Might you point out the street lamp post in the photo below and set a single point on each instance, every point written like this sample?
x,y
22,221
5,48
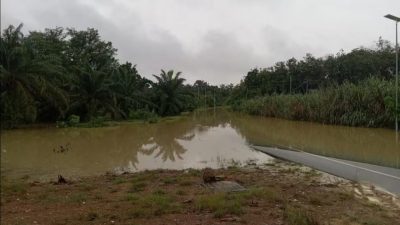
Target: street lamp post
x,y
397,20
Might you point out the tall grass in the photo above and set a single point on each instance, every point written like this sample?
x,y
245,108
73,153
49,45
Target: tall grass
x,y
369,103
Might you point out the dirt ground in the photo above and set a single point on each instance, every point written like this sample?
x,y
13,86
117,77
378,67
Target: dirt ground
x,y
277,193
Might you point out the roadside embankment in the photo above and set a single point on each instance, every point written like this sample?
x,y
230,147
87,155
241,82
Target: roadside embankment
x,y
277,193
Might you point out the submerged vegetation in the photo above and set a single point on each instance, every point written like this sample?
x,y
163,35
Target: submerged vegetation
x,y
74,77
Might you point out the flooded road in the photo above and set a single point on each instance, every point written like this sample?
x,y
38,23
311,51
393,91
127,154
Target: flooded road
x,y
212,138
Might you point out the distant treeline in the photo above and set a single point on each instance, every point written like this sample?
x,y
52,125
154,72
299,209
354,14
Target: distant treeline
x,y
74,76
65,74
355,89
310,73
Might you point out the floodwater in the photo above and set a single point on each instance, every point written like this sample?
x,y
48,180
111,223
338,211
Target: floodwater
x,y
211,138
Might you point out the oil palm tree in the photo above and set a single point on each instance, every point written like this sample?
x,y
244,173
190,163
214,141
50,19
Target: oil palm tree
x,y
170,95
25,79
91,93
129,89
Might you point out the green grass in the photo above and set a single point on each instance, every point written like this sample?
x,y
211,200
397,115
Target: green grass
x,y
291,170
132,197
86,187
311,173
298,216
119,180
154,204
185,183
49,198
170,180
77,197
13,188
265,193
192,173
221,204
138,186
159,192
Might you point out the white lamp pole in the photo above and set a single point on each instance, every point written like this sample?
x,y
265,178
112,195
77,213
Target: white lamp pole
x,y
397,20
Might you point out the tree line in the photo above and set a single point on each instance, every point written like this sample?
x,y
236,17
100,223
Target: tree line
x,y
311,73
355,88
50,75
65,74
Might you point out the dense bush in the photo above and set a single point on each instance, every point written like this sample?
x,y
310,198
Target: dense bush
x,y
143,114
369,103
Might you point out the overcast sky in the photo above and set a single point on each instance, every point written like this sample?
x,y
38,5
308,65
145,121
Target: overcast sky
x,y
213,40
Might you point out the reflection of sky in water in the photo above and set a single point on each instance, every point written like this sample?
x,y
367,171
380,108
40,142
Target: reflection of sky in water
x,y
191,142
202,139
217,147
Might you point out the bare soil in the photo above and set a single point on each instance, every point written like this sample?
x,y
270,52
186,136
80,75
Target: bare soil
x,y
277,193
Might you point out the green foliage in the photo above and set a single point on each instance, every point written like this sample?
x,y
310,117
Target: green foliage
x,y
154,204
26,78
170,95
220,204
232,203
298,216
73,120
77,197
138,186
13,187
98,121
365,104
143,114
49,75
310,73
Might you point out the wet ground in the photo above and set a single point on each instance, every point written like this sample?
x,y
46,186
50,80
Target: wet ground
x,y
276,193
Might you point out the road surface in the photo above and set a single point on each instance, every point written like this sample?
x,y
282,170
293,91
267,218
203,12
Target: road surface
x,y
384,177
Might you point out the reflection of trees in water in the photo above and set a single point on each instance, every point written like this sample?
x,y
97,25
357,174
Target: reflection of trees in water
x,y
212,118
165,140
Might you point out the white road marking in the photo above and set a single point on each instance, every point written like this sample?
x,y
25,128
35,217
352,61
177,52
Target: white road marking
x,y
340,162
358,167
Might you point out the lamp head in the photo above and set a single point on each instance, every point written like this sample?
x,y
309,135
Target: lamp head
x,y
391,17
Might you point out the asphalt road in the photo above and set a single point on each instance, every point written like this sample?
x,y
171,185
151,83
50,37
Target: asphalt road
x,y
384,177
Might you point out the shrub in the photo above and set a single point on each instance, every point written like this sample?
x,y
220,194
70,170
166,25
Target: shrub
x,y
369,103
73,120
148,116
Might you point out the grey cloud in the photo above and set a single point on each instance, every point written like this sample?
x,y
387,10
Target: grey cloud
x,y
232,36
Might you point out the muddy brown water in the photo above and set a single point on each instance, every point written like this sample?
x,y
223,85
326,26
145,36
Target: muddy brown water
x,y
211,138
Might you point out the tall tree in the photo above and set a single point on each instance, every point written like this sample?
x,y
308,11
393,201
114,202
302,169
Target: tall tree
x,y
91,94
85,48
130,89
170,95
25,79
